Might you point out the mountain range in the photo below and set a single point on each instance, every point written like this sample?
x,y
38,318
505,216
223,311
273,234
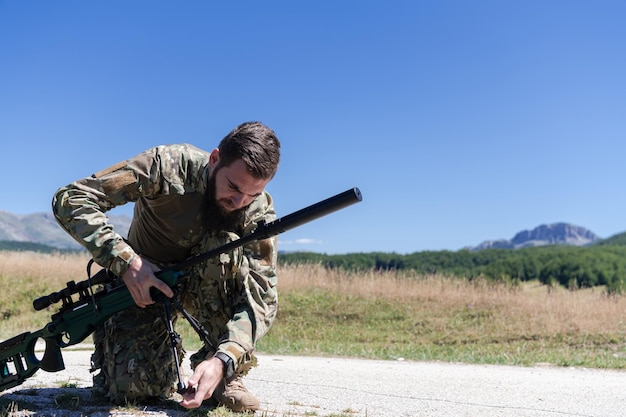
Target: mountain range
x,y
42,228
545,234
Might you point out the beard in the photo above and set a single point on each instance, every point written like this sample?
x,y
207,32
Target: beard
x,y
217,217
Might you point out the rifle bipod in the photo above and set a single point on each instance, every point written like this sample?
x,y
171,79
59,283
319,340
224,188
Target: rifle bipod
x,y
175,339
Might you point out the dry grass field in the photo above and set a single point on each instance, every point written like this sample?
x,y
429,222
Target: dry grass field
x,y
384,315
25,276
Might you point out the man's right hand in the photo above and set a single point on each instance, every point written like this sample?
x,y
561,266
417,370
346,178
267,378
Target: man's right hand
x,y
139,278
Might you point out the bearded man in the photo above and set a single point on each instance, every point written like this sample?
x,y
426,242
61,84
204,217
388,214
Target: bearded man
x,y
187,201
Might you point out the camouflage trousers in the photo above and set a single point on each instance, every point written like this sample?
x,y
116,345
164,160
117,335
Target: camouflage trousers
x,y
133,350
135,357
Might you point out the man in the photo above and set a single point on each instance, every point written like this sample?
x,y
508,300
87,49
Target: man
x,y
187,201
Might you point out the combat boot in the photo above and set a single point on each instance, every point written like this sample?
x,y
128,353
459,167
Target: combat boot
x,y
100,388
236,396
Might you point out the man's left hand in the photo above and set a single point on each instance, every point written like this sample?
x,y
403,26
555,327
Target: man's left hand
x,y
205,379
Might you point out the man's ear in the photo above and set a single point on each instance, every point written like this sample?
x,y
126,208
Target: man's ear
x,y
214,158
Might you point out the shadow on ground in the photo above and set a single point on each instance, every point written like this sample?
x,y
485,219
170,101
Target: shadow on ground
x,y
78,402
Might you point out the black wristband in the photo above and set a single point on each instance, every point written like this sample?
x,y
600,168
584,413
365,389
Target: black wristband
x,y
229,364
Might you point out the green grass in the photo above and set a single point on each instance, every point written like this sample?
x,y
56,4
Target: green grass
x,y
325,323
314,321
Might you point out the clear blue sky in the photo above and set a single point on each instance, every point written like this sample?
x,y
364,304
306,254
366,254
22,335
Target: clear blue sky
x,y
460,121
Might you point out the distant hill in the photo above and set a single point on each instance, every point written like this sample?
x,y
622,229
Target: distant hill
x,y
615,240
546,234
12,245
42,228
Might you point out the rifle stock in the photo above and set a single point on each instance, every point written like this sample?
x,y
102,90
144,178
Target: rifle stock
x,y
76,320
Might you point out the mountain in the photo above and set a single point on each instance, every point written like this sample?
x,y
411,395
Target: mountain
x,y
43,228
546,234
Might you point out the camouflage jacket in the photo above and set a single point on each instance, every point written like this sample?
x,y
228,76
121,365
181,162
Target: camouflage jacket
x,y
167,184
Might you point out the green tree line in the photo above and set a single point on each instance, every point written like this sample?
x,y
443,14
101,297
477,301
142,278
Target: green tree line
x,y
12,245
572,267
568,266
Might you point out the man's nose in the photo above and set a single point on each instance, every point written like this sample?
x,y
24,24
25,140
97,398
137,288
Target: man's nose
x,y
238,200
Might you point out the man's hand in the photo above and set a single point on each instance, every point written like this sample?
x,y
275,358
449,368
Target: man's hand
x,y
139,278
205,379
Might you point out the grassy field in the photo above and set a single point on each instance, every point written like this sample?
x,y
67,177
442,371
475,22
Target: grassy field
x,y
384,315
387,316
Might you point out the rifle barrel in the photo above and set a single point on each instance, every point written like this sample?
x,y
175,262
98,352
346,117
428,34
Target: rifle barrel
x,y
310,213
273,228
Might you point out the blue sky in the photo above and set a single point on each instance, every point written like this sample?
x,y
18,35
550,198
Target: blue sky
x,y
459,121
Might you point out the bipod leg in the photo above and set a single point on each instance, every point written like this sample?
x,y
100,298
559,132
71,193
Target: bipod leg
x,y
175,341
199,328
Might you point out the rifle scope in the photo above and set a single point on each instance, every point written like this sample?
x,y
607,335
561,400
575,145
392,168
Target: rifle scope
x,y
103,276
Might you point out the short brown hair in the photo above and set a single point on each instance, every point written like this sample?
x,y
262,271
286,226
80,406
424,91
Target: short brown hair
x,y
256,145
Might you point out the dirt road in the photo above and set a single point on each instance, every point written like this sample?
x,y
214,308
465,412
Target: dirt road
x,y
298,386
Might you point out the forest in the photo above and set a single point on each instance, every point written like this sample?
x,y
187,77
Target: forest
x,y
601,264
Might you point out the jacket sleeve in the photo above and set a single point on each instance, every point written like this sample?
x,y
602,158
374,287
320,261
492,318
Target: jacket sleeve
x,y
257,307
80,207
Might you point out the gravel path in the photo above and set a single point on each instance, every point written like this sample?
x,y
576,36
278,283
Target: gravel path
x,y
299,386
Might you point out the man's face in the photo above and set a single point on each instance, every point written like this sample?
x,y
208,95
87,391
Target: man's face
x,y
235,188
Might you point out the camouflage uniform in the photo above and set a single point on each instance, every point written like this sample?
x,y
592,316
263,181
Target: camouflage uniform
x,y
233,296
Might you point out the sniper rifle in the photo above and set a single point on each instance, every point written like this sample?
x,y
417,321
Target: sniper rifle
x,y
77,318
